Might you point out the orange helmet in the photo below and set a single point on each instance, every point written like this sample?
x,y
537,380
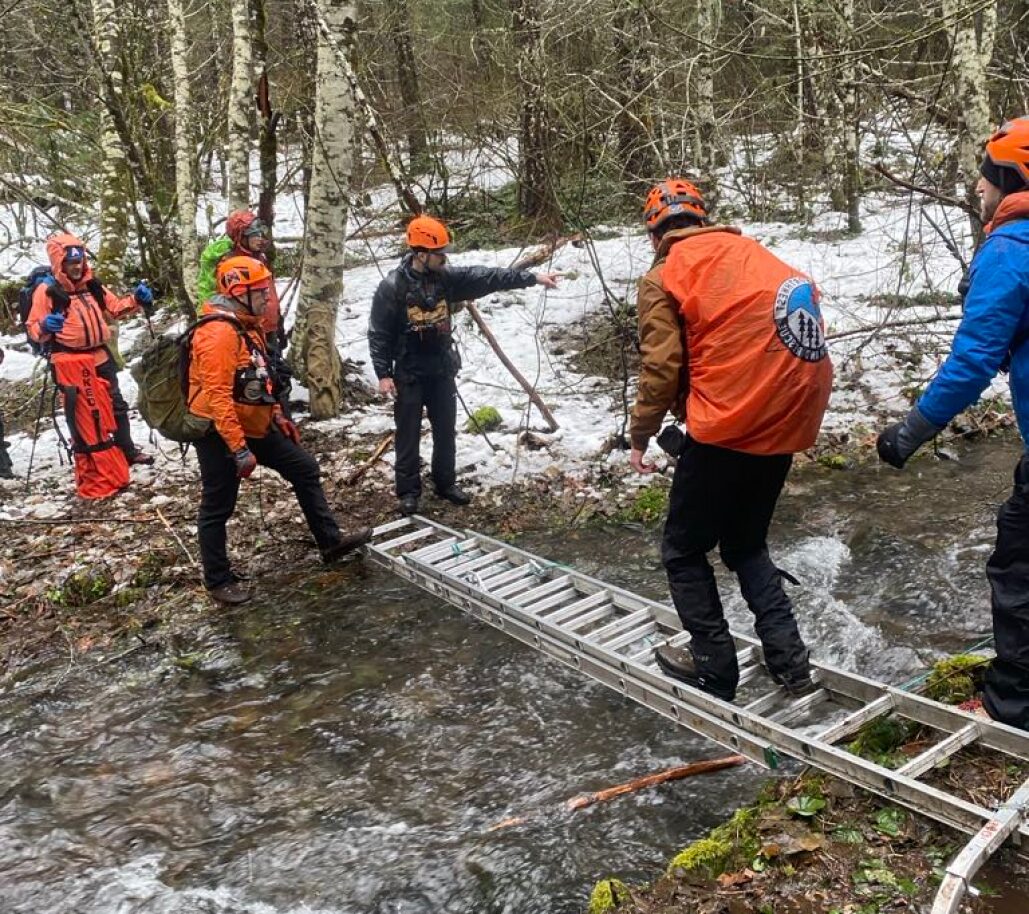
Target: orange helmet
x,y
239,274
1008,151
670,198
427,234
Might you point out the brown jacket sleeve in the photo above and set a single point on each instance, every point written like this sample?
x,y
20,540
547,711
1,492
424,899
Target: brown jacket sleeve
x,y
662,356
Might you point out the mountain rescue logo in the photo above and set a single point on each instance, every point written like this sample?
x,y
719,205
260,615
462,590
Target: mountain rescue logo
x,y
798,320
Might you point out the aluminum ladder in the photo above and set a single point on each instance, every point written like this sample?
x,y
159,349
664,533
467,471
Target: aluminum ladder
x,y
610,634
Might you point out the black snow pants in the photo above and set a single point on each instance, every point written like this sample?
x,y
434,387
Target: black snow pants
x,y
726,499
1006,694
437,393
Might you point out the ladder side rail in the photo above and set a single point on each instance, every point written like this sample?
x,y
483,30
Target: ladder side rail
x,y
936,753
637,681
1002,825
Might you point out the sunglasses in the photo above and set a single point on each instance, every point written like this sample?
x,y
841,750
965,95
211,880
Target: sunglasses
x,y
74,254
257,227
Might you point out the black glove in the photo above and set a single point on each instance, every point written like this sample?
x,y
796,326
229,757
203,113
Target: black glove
x,y
897,443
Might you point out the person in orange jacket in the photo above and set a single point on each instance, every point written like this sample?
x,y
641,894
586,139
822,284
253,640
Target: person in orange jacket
x,y
732,343
230,383
68,318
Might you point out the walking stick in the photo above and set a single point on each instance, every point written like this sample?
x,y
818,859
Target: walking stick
x,y
35,432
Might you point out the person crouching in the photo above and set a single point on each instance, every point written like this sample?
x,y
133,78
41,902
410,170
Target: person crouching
x,y
230,384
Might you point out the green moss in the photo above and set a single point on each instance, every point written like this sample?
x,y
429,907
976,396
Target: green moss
x,y
879,740
150,570
725,848
956,679
484,419
648,506
834,461
607,895
128,595
83,587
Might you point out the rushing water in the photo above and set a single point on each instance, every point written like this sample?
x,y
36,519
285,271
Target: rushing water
x,y
346,744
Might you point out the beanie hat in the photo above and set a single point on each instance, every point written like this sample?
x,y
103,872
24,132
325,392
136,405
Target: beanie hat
x,y
1009,180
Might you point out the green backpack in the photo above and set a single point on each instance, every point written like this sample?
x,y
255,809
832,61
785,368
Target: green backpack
x,y
216,249
163,379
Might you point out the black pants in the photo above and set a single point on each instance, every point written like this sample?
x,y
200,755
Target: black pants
x,y
221,488
726,499
1006,695
438,395
6,466
122,433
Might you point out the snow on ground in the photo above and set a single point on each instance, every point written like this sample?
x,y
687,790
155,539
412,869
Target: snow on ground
x,y
898,253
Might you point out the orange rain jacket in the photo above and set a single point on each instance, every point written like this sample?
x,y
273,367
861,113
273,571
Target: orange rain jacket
x,y
85,325
732,343
215,355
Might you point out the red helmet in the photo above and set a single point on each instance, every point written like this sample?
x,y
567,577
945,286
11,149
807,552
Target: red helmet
x,y
669,198
1008,148
239,274
427,234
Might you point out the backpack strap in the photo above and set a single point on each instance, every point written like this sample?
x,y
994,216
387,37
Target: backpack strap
x,y
185,342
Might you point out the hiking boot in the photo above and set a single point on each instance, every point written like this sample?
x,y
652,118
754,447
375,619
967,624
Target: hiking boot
x,y
409,504
346,545
797,686
232,594
678,663
454,495
141,459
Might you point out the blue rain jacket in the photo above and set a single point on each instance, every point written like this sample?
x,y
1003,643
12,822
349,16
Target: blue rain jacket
x,y
996,314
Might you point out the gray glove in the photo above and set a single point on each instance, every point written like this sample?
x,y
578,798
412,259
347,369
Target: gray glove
x,y
897,443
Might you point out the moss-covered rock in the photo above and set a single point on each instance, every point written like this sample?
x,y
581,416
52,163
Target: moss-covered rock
x,y
956,679
484,419
85,586
726,848
607,895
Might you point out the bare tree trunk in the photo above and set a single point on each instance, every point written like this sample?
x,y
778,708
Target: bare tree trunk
x,y
634,64
114,186
973,51
313,346
407,80
850,120
267,141
185,148
241,106
537,199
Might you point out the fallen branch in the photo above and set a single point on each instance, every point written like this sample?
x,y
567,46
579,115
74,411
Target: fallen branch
x,y
651,780
544,252
893,325
177,539
384,445
509,365
926,191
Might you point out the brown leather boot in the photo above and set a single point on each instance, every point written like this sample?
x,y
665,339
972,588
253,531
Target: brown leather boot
x,y
347,544
232,594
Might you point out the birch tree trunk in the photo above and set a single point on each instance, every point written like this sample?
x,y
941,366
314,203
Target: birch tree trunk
x,y
114,186
185,148
851,120
973,51
241,107
634,60
706,141
313,353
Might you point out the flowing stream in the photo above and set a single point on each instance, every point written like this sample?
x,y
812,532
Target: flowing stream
x,y
345,744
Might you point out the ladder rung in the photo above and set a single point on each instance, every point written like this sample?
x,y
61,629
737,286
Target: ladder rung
x,y
390,526
567,612
801,705
631,637
618,625
463,564
944,749
455,551
856,720
750,672
516,585
419,534
505,577
536,593
558,599
764,702
425,552
589,618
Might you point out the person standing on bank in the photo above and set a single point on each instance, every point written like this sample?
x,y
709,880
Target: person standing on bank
x,y
231,384
410,338
992,337
732,343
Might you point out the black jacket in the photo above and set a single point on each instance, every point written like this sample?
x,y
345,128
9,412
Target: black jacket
x,y
410,332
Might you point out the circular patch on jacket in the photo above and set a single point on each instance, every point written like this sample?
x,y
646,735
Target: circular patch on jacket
x,y
798,321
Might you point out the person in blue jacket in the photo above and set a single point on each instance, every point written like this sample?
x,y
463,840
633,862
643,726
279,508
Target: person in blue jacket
x,y
992,337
